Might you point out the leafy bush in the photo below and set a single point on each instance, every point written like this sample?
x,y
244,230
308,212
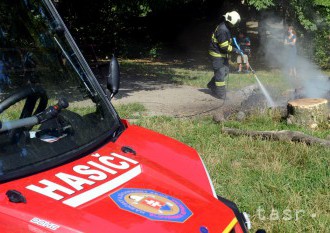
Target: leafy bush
x,y
322,50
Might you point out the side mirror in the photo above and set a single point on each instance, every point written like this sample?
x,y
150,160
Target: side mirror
x,y
113,79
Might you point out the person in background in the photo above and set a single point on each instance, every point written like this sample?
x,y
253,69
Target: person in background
x,y
245,45
219,49
290,43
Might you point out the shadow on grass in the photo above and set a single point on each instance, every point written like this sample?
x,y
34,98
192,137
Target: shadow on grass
x,y
148,75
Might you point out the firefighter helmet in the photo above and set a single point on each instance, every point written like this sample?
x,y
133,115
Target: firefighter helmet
x,y
233,18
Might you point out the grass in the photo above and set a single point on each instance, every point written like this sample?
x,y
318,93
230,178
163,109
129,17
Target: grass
x,y
199,76
129,111
132,110
271,119
265,178
13,112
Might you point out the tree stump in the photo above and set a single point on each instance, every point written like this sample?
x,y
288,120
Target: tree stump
x,y
307,112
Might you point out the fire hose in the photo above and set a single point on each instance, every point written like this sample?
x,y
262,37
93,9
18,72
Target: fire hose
x,y
242,54
263,89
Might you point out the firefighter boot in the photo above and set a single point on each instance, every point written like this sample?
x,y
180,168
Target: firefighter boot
x,y
220,92
211,84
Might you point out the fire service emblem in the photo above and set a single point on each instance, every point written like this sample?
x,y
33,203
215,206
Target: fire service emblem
x,y
151,204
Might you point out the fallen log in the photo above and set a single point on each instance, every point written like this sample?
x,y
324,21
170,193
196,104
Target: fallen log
x,y
283,135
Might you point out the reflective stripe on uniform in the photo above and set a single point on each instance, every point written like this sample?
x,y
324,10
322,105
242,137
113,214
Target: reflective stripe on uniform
x,y
224,44
214,54
214,39
220,84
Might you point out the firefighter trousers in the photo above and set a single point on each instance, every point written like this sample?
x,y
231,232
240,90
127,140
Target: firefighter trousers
x,y
221,70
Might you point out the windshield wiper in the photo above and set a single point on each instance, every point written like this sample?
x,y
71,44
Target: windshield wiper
x,y
48,114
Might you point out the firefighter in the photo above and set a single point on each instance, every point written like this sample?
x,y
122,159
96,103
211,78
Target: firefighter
x,y
220,47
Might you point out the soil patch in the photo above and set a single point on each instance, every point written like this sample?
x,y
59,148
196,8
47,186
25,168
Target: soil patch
x,y
181,101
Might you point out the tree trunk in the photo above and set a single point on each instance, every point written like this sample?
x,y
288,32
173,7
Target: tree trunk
x,y
307,112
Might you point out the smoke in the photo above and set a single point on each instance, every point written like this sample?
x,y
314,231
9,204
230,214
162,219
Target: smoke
x,y
314,82
309,79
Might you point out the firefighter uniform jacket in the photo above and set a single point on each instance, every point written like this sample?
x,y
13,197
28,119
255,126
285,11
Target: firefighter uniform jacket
x,y
220,44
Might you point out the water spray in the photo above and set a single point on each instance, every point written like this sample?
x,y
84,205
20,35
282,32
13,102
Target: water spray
x,y
262,87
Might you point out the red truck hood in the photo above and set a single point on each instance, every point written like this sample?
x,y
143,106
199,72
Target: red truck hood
x,y
113,191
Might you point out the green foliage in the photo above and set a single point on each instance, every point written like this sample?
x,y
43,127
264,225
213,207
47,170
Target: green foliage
x,y
119,24
325,3
312,16
108,19
322,49
154,52
261,4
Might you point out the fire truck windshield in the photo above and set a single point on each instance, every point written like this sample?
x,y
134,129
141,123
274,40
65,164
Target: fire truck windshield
x,y
51,107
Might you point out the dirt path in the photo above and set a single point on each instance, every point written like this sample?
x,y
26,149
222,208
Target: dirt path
x,y
180,101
